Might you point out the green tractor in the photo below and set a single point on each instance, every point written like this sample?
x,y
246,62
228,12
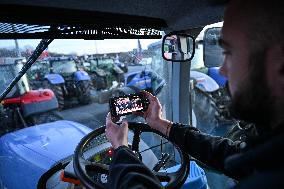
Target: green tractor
x,y
103,72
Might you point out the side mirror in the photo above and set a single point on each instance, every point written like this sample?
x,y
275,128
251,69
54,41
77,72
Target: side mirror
x,y
178,47
213,53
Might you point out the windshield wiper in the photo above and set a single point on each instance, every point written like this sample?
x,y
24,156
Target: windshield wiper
x,y
39,49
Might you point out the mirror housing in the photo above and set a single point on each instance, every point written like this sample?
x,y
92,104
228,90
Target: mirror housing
x,y
212,52
178,47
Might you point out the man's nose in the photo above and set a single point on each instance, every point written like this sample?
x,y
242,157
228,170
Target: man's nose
x,y
223,70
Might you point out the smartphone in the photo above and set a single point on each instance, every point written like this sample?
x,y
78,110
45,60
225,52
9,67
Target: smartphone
x,y
127,104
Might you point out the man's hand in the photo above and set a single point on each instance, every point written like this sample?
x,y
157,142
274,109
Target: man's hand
x,y
153,115
116,134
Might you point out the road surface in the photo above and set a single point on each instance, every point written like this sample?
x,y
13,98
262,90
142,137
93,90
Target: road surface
x,y
92,115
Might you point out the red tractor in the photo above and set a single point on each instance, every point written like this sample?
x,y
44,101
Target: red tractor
x,y
24,107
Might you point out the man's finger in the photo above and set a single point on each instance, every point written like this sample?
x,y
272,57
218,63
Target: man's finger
x,y
109,126
109,118
114,119
124,124
148,95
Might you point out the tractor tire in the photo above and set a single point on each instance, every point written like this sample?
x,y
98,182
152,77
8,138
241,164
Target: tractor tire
x,y
58,92
120,78
117,93
205,113
84,92
125,69
57,89
209,118
45,117
100,82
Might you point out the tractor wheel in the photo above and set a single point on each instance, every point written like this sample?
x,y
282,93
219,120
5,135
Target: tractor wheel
x,y
208,117
125,69
100,82
46,117
84,92
205,113
58,92
120,78
117,93
57,89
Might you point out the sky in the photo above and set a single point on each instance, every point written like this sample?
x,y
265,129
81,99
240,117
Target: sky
x,y
81,46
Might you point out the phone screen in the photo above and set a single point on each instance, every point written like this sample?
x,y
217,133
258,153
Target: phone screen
x,y
127,104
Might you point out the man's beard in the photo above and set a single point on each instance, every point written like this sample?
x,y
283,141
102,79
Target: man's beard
x,y
251,102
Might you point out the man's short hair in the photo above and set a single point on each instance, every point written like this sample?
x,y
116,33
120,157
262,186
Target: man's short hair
x,y
264,21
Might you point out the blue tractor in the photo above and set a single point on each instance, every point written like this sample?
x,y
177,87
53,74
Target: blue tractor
x,y
46,155
135,82
210,95
68,82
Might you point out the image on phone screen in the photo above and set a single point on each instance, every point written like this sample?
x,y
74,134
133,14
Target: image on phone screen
x,y
127,104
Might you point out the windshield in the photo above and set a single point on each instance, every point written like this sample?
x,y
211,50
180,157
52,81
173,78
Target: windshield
x,y
106,61
102,83
93,78
64,67
91,107
6,76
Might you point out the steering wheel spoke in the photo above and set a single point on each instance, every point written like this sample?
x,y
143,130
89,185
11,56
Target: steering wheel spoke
x,y
165,177
98,167
84,161
136,139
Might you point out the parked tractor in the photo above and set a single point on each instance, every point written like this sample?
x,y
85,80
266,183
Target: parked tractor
x,y
104,72
67,82
37,73
135,82
210,98
23,107
121,65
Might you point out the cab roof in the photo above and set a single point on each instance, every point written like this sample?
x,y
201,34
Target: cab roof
x,y
168,15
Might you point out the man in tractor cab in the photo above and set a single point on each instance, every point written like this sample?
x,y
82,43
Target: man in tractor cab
x,y
253,42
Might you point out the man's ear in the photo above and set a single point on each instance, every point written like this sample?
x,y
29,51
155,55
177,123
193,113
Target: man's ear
x,y
275,70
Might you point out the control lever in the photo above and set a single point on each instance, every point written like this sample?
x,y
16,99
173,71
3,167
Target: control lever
x,y
162,162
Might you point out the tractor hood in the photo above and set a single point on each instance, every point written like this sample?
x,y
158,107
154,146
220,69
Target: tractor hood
x,y
34,150
54,141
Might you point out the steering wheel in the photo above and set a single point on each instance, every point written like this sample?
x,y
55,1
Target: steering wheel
x,y
83,166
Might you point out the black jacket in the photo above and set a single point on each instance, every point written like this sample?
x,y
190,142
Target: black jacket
x,y
256,163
